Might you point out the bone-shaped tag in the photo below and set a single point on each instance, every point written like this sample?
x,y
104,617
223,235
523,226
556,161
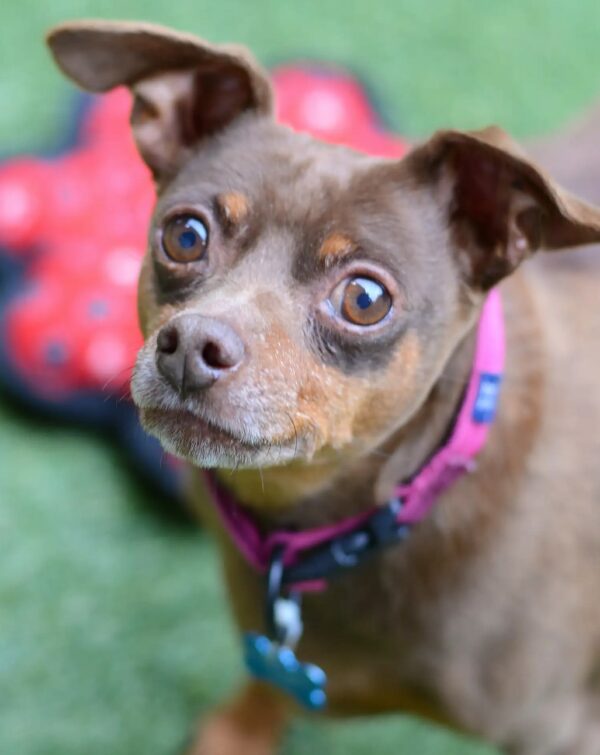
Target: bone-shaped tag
x,y
278,665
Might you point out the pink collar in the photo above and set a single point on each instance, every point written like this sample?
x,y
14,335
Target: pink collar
x,y
413,500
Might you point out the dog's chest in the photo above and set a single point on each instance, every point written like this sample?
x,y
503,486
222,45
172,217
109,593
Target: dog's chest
x,y
386,643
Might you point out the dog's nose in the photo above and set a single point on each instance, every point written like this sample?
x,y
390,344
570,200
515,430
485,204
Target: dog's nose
x,y
192,352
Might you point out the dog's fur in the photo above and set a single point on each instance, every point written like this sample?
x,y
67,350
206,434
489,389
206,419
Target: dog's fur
x,y
487,619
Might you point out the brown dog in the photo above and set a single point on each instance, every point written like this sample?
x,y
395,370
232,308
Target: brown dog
x,y
260,356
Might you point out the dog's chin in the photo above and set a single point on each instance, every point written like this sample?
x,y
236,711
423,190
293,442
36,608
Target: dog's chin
x,y
207,445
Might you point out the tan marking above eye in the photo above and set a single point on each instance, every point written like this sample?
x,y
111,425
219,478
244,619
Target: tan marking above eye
x,y
234,206
336,245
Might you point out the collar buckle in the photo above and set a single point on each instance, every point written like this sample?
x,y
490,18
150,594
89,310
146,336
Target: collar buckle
x,y
384,525
340,553
380,530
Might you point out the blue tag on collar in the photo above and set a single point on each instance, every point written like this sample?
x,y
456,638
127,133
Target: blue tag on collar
x,y
278,665
486,402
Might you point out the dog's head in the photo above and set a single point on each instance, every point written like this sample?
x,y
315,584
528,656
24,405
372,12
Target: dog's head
x,y
298,298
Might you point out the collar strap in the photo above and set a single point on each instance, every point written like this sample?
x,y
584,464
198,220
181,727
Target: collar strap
x,y
307,558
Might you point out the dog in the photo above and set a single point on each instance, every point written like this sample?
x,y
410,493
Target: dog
x,y
312,317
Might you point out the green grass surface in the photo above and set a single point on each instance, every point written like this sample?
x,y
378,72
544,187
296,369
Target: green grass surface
x,y
113,628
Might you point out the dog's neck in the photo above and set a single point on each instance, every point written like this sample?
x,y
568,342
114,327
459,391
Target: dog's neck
x,y
309,494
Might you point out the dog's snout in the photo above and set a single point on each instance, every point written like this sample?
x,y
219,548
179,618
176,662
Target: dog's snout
x,y
192,352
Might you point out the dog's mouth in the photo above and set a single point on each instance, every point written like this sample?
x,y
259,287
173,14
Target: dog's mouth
x,y
208,444
184,421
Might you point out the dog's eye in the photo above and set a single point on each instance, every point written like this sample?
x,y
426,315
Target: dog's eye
x,y
185,238
362,301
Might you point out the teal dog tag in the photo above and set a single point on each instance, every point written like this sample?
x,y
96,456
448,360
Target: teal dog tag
x,y
278,665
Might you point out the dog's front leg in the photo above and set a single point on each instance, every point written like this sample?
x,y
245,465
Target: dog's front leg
x,y
251,723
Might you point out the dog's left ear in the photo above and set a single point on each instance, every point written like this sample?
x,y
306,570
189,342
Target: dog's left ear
x,y
499,206
185,89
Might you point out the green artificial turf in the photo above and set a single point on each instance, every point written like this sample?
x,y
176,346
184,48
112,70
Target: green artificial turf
x,y
114,632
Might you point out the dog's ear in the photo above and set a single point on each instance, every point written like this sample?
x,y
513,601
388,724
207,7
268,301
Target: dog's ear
x,y
184,89
499,206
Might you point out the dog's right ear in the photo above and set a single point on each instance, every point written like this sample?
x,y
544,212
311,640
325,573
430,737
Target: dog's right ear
x,y
184,89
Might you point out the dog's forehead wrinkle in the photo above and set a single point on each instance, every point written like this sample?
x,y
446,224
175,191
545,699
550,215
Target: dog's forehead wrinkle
x,y
261,159
271,253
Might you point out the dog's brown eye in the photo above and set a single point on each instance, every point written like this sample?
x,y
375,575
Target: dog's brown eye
x,y
365,301
185,238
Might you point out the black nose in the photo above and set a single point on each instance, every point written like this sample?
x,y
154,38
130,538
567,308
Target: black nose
x,y
193,351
